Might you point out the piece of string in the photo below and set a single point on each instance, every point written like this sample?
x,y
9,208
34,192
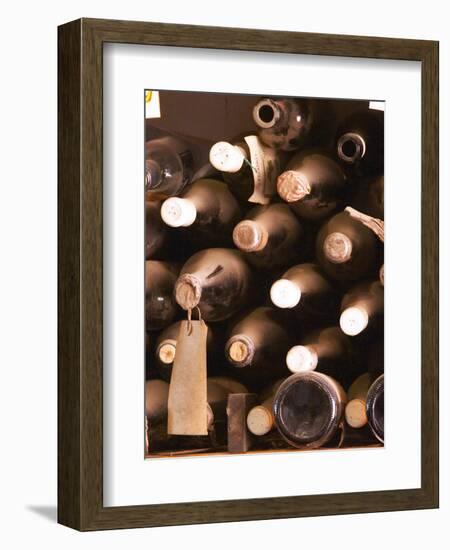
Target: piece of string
x,y
250,164
189,316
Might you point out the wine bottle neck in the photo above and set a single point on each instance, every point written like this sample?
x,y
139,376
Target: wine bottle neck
x,y
178,212
227,157
188,291
267,113
285,294
293,186
351,147
250,236
260,420
337,248
354,320
166,351
240,350
302,359
153,175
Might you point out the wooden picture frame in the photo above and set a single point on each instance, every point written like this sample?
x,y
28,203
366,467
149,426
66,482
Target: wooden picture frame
x,y
80,271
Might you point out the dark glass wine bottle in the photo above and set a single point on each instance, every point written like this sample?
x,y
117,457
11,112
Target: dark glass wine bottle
x,y
360,142
346,249
258,344
284,123
304,289
362,307
271,236
313,184
309,409
156,231
207,209
375,408
160,305
217,280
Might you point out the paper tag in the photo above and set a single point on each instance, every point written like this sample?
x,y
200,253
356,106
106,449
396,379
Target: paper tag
x,y
187,402
266,167
374,224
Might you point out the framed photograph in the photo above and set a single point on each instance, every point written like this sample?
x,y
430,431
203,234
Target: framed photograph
x,y
226,319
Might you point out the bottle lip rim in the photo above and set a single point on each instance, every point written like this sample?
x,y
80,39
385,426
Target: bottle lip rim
x,y
276,113
260,237
376,392
360,147
244,339
336,407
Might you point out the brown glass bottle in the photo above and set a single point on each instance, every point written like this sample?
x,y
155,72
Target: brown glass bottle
x,y
346,249
360,142
166,346
375,408
160,305
309,409
156,231
369,196
304,289
271,236
313,184
327,350
207,209
284,123
258,344
217,280
362,307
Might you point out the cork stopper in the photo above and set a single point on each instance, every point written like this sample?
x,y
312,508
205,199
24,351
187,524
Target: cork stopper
x,y
285,294
266,113
355,413
226,157
188,291
353,320
260,420
177,212
351,147
293,186
166,351
240,350
301,359
249,236
337,248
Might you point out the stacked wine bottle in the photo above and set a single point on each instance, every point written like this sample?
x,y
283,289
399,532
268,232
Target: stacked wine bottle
x,y
275,240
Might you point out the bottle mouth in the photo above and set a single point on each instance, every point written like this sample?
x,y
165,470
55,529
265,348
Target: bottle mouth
x,y
301,359
353,320
375,408
177,212
249,236
166,351
240,350
293,186
260,420
337,248
285,294
351,147
308,409
188,291
355,413
153,175
266,113
226,157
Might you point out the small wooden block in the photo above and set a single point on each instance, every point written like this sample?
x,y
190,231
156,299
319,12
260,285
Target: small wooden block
x,y
238,407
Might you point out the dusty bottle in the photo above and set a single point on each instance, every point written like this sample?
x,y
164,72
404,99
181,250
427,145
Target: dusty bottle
x,y
166,347
361,307
375,408
217,280
284,123
369,196
309,409
207,208
156,231
160,305
324,349
360,142
304,288
260,419
313,184
258,344
249,167
173,161
271,236
346,249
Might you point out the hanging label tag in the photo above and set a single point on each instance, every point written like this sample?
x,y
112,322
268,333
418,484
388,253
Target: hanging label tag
x,y
266,167
187,402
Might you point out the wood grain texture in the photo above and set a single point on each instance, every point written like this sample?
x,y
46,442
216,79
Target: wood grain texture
x,y
80,403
